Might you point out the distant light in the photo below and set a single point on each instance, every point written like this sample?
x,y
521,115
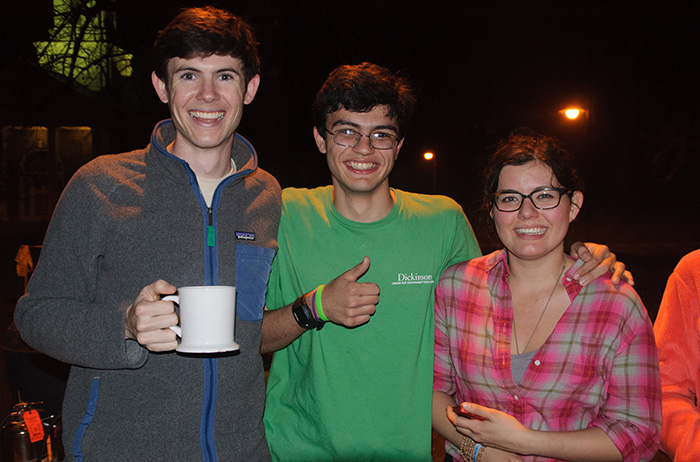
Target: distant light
x,y
572,113
428,156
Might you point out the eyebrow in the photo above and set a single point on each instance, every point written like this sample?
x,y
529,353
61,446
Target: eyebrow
x,y
195,69
539,188
355,125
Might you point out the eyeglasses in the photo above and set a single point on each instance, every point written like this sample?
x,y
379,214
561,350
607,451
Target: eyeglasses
x,y
349,138
541,198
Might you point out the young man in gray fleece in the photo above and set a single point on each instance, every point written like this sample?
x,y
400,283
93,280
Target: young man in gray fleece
x,y
192,208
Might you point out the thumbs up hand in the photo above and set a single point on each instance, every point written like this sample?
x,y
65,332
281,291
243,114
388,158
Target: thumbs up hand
x,y
348,302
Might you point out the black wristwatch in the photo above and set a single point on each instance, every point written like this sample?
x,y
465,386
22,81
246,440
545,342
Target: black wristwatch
x,y
302,315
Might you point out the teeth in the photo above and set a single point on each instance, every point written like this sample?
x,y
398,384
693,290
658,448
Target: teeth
x,y
531,231
361,165
207,115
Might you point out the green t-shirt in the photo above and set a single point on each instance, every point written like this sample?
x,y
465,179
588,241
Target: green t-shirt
x,y
362,393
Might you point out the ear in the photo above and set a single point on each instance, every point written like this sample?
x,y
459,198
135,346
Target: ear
x,y
251,89
320,141
576,203
398,148
160,87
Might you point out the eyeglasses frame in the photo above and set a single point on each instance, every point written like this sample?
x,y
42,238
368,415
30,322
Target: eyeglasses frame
x,y
359,136
561,191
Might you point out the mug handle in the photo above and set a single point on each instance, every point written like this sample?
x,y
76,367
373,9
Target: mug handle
x,y
176,299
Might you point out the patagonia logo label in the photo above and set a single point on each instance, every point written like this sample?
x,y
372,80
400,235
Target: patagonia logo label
x,y
245,236
412,278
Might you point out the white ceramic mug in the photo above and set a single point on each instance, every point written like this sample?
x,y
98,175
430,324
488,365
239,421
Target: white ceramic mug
x,y
207,319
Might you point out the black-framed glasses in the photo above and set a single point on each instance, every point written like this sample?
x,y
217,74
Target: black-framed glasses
x,y
347,137
541,198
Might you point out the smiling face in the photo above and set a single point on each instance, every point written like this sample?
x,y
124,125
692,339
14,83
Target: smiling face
x,y
361,169
530,233
206,98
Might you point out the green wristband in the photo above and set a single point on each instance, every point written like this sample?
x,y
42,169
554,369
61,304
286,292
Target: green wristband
x,y
319,308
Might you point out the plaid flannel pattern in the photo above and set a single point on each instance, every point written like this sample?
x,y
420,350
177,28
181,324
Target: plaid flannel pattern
x,y
599,367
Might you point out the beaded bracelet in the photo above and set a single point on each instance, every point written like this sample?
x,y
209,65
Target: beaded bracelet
x,y
466,449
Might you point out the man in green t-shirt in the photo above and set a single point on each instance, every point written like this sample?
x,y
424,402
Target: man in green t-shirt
x,y
352,379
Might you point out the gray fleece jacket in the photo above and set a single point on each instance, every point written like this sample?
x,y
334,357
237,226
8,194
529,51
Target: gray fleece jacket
x,y
123,222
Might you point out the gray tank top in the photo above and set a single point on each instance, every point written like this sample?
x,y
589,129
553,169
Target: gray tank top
x,y
518,365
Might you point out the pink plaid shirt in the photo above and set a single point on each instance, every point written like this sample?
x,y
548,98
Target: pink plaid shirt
x,y
598,368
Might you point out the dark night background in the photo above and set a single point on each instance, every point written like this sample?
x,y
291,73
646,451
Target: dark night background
x,y
481,69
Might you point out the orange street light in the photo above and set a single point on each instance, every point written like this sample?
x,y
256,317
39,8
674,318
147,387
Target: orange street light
x,y
573,113
430,157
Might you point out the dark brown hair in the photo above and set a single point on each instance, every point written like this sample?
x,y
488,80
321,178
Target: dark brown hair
x,y
362,87
203,32
522,146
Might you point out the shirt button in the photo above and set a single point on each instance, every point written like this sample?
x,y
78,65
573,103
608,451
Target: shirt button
x,y
537,362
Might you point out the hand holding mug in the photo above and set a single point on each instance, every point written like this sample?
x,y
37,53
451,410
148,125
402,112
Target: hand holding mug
x,y
148,319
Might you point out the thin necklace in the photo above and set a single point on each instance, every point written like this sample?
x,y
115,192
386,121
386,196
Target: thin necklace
x,y
556,281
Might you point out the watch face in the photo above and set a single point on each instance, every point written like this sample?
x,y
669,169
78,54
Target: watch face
x,y
302,314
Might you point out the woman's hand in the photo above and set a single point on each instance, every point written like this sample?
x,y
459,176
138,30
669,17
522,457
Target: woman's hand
x,y
498,430
503,432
